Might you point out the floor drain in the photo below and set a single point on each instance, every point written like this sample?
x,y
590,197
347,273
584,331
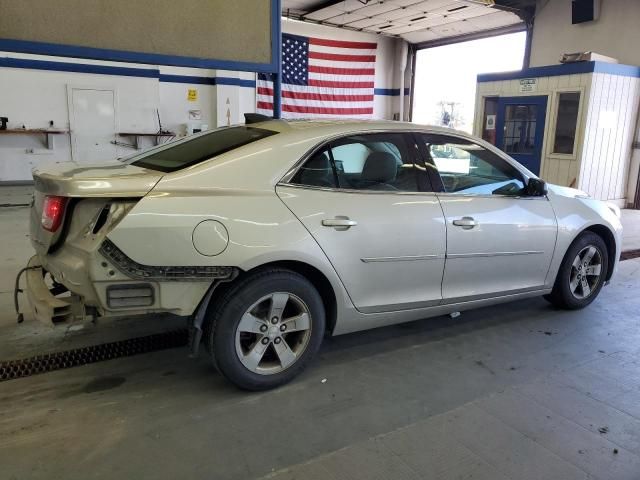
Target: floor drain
x,y
27,367
629,254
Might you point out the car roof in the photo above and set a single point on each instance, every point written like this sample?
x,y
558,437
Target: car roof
x,y
330,127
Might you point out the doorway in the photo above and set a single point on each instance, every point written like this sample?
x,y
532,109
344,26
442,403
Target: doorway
x,y
520,128
92,121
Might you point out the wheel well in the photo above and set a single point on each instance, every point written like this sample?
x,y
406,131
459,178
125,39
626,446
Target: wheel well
x,y
315,276
606,235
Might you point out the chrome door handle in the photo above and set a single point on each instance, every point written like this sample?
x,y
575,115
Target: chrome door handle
x,y
339,223
465,222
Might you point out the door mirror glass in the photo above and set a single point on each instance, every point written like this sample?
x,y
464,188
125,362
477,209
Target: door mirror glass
x,y
536,187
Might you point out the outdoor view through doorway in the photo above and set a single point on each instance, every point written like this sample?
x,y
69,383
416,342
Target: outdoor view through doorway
x,y
445,83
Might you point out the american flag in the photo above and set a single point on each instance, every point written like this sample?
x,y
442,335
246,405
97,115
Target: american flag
x,y
322,78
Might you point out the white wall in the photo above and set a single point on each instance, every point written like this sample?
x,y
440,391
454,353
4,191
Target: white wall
x,y
33,96
616,32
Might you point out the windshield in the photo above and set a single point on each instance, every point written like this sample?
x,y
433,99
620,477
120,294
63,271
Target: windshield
x,y
197,149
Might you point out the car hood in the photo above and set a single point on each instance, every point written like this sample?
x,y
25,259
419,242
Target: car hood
x,y
69,179
567,191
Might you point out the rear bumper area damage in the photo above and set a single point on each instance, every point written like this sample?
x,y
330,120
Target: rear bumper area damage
x,y
45,305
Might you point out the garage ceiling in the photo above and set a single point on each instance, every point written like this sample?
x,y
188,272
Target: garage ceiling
x,y
417,21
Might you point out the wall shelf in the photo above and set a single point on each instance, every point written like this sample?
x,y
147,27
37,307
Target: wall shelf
x,y
136,136
47,132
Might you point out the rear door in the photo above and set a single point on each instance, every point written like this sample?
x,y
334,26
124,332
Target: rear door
x,y
366,200
499,241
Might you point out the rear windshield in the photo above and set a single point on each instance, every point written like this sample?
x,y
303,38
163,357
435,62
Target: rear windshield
x,y
199,148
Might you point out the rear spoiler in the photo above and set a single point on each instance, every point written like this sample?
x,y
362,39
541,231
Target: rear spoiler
x,y
250,118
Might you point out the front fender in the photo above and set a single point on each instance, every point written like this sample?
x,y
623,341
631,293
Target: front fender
x,y
576,213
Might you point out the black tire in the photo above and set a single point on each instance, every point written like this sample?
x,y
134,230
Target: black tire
x,y
224,318
562,296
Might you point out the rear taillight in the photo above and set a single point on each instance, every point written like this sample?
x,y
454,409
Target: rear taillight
x,y
53,212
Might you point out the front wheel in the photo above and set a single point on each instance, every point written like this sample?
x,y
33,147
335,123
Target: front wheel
x,y
581,274
266,329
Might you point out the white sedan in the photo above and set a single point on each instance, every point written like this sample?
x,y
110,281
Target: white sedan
x,y
270,235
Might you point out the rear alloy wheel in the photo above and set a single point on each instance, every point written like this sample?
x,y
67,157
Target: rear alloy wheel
x,y
273,333
582,273
266,328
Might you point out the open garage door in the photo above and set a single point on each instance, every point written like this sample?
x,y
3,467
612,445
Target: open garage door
x,y
416,21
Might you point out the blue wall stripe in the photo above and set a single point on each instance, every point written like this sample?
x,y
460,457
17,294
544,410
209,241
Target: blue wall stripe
x,y
78,68
147,73
186,79
238,82
563,69
40,48
121,71
392,92
617,69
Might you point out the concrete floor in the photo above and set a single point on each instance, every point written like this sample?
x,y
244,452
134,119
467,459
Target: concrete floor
x,y
515,391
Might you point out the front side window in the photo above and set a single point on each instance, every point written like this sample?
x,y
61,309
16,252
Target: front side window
x,y
199,148
465,167
566,122
381,161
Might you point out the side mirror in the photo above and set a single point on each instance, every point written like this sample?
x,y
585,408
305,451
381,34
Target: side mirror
x,y
536,188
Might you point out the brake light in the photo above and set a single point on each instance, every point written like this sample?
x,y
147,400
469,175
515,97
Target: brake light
x,y
53,212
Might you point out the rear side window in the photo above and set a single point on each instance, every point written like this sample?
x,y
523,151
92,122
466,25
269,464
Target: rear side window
x,y
381,161
200,148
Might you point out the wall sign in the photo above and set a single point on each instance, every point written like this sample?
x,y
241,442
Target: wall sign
x,y
192,94
528,85
491,122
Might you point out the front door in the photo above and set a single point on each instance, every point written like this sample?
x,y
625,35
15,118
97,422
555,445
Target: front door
x,y
499,241
365,200
520,129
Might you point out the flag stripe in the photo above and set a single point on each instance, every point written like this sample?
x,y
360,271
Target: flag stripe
x,y
332,63
325,110
350,51
330,83
342,71
342,58
317,96
341,43
323,90
315,103
341,78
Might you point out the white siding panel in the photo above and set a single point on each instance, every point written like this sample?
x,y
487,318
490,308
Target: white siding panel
x,y
613,109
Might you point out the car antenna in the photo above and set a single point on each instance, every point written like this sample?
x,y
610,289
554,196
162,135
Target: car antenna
x,y
159,122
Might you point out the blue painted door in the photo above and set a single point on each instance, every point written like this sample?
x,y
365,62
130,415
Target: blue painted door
x,y
520,128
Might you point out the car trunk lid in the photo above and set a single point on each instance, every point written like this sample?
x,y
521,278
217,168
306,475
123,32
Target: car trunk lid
x,y
74,182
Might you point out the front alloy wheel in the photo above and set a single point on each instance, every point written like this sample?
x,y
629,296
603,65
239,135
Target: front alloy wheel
x,y
586,270
582,272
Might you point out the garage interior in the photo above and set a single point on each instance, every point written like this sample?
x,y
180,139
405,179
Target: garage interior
x,y
520,390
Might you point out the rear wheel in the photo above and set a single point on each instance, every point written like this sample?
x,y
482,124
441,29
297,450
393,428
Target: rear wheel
x,y
266,329
581,274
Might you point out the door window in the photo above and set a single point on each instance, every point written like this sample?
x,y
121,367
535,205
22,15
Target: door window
x,y
381,162
465,167
520,129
